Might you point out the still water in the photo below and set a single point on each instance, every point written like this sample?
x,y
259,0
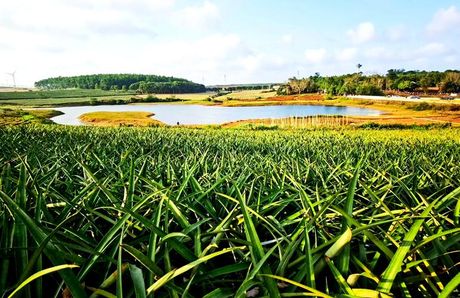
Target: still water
x,y
199,114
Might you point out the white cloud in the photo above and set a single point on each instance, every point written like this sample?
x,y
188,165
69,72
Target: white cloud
x,y
452,59
198,16
387,54
258,62
64,37
187,39
315,56
210,55
444,20
257,67
346,55
396,33
416,56
432,49
376,52
83,17
211,47
287,38
125,4
364,32
189,58
251,62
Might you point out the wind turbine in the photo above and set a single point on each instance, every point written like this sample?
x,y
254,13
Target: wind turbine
x,y
12,74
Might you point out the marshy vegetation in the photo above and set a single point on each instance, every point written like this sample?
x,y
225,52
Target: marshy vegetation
x,y
18,116
318,121
219,213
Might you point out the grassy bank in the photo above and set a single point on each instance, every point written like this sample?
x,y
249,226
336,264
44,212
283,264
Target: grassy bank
x,y
119,119
186,212
18,116
68,101
75,97
394,112
64,93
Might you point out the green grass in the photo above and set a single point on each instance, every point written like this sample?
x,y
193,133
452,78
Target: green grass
x,y
187,213
50,102
67,97
79,101
19,116
65,93
75,97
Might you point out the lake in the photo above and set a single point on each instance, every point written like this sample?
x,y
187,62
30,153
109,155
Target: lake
x,y
190,114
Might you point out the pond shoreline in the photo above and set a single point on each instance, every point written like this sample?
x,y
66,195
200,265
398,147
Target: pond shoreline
x,y
213,115
391,111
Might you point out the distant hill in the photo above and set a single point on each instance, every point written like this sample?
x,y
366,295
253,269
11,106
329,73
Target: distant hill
x,y
138,82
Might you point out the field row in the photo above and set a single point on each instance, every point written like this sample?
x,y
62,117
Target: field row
x,y
64,93
223,213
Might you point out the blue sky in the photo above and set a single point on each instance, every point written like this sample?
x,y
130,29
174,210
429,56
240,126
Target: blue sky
x,y
225,41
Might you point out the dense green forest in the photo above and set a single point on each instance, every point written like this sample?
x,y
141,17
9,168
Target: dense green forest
x,y
396,80
136,82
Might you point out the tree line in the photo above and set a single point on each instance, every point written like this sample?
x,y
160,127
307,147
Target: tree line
x,y
395,80
137,82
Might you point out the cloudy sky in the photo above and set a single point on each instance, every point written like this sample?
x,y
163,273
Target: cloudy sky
x,y
225,41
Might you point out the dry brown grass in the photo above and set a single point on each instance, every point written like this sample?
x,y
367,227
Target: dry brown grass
x,y
120,119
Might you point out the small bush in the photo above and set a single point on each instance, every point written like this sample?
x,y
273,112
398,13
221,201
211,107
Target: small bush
x,y
265,127
374,125
28,117
367,102
423,106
